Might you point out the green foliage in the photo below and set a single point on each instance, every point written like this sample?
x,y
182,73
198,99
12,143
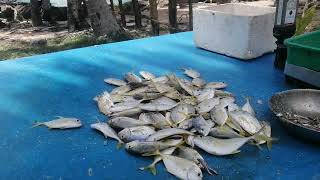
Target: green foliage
x,y
304,20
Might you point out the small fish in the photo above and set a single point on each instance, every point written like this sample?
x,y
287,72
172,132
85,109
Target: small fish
x,y
160,104
221,93
233,107
205,94
152,166
137,91
147,75
198,82
248,108
223,132
161,134
136,133
246,121
181,168
266,132
156,119
116,82
216,85
106,130
201,125
191,73
193,155
181,112
125,106
131,77
148,147
129,112
61,123
125,122
186,87
219,115
120,90
104,103
207,105
162,79
221,147
226,101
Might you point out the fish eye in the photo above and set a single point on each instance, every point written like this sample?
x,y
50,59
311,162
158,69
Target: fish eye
x,y
199,174
78,120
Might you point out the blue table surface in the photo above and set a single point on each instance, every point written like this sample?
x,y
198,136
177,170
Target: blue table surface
x,y
41,87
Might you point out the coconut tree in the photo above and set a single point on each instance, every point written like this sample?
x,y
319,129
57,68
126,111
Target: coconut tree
x,y
102,20
35,13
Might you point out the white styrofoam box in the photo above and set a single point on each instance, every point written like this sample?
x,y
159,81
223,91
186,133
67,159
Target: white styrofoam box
x,y
238,30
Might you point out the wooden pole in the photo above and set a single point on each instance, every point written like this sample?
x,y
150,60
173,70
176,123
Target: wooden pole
x,y
154,17
123,16
137,13
112,6
190,15
173,16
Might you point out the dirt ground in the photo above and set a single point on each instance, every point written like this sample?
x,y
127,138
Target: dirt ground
x,y
21,39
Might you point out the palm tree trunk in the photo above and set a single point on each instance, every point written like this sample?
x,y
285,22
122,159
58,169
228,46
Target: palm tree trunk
x,y
173,16
154,17
73,15
190,15
137,13
35,13
123,16
102,20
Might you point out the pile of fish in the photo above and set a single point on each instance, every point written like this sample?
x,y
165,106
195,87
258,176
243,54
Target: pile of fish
x,y
170,118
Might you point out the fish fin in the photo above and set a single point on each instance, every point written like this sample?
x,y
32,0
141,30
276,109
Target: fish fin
x,y
156,153
151,168
37,124
59,117
120,145
95,98
261,137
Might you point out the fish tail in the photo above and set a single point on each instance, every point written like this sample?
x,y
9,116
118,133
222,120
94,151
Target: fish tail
x,y
120,145
207,168
156,153
37,124
261,137
151,168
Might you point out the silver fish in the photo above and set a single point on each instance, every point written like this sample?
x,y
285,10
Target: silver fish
x,y
220,147
233,107
207,105
120,90
181,112
191,73
223,132
246,121
104,103
125,122
188,88
160,104
136,133
198,82
61,123
129,112
137,91
205,94
156,119
144,147
162,79
147,75
248,108
221,93
131,77
152,166
106,130
219,115
226,101
125,106
116,82
161,134
181,168
201,125
216,85
193,155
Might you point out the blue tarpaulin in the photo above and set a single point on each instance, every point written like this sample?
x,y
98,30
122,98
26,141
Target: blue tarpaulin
x,y
38,88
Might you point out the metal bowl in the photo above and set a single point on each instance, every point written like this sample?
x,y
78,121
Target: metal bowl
x,y
293,107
